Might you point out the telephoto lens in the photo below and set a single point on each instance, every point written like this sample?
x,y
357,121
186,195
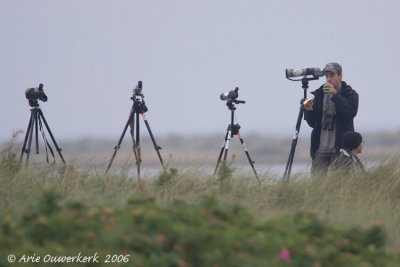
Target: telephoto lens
x,y
36,93
231,95
304,72
138,89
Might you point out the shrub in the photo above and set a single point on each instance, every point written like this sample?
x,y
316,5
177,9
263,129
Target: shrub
x,y
8,157
166,176
181,234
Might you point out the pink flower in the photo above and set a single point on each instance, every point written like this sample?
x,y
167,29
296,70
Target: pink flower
x,y
285,255
160,239
103,219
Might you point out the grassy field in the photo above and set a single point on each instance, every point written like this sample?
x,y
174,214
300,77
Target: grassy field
x,y
358,201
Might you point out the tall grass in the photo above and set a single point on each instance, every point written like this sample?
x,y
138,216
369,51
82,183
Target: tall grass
x,y
360,200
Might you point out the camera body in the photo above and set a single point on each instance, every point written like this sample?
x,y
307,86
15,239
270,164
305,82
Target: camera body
x,y
35,94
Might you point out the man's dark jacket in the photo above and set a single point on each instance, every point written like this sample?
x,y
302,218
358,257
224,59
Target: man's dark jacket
x,y
346,103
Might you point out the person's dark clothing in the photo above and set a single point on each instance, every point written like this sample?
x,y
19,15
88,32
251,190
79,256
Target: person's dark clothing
x,y
346,104
348,162
321,162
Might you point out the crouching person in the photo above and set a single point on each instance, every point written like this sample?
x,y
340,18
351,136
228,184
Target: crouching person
x,y
348,160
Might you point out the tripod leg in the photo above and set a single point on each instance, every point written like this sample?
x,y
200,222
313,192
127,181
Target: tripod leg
x,y
293,146
137,146
157,147
47,146
290,158
132,131
28,151
227,142
221,152
26,138
118,146
51,135
248,157
37,132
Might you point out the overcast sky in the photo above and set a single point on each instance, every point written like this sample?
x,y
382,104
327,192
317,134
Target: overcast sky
x,y
90,54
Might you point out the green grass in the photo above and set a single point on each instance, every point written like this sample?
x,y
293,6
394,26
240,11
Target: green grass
x,y
351,202
356,200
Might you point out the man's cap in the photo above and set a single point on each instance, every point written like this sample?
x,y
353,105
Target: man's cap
x,y
333,67
351,140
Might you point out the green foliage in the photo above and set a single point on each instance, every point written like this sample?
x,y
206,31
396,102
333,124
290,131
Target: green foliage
x,y
166,177
49,201
225,172
181,234
229,221
9,165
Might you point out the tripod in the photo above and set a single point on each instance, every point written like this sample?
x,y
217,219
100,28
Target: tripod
x,y
233,129
36,122
138,108
289,163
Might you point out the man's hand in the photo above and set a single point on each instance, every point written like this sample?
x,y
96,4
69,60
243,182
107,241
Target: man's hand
x,y
308,104
329,89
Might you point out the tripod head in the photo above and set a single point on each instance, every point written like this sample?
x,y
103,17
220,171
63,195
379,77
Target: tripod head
x,y
33,103
138,99
304,82
231,103
231,106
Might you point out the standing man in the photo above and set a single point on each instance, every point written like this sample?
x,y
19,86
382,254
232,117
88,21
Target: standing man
x,y
330,114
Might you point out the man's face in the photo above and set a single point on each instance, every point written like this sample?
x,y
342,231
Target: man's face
x,y
333,78
359,149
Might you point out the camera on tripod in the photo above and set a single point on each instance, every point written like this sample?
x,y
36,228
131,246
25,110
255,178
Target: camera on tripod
x,y
37,123
138,109
231,98
308,74
233,129
138,98
35,94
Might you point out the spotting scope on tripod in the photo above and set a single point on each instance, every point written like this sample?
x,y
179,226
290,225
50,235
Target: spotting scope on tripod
x,y
308,74
138,109
233,129
35,124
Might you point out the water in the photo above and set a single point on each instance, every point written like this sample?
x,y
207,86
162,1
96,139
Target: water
x,y
274,171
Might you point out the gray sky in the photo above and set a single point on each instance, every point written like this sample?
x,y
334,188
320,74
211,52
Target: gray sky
x,y
90,54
